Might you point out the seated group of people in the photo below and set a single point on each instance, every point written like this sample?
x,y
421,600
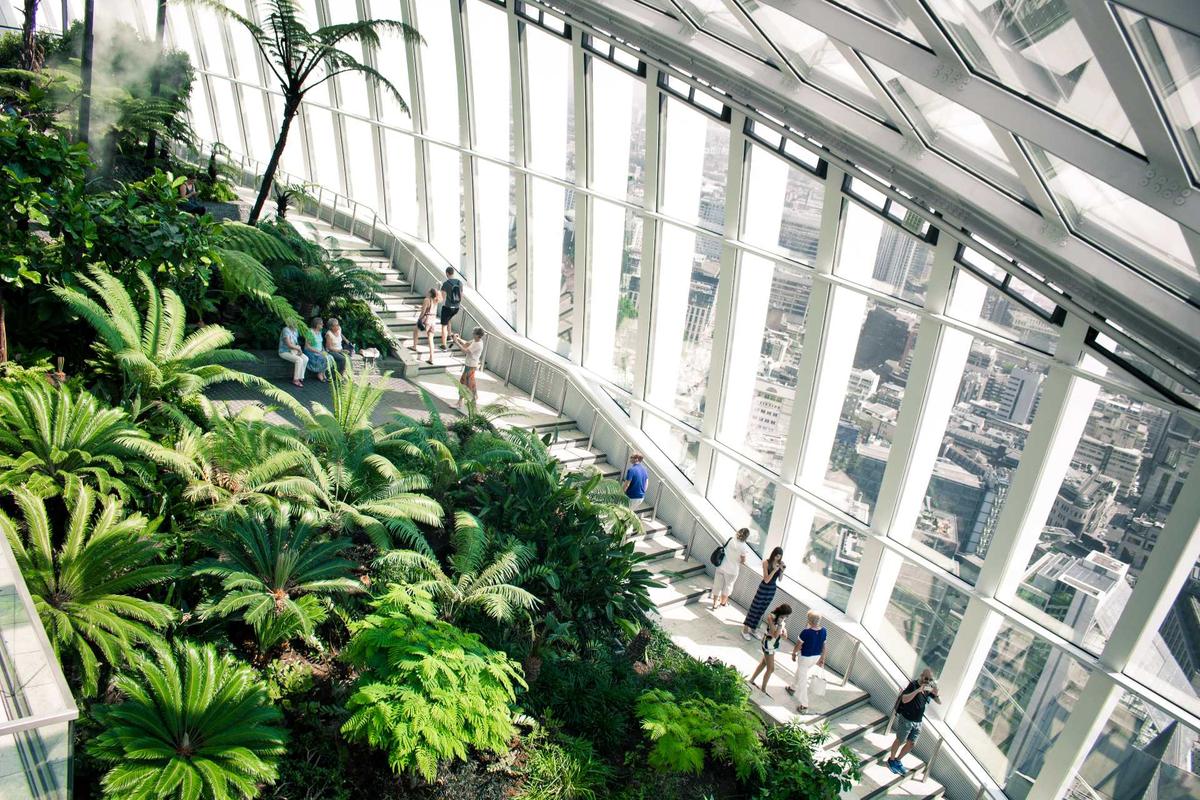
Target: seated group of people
x,y
312,349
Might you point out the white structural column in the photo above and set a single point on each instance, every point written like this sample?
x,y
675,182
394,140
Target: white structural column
x,y
470,240
757,184
520,132
682,173
375,110
650,239
416,107
583,201
608,145
930,393
1061,416
205,77
335,101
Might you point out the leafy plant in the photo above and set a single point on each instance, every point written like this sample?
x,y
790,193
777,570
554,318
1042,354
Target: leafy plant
x,y
301,58
48,435
796,773
475,583
82,580
565,768
428,690
193,724
274,570
685,732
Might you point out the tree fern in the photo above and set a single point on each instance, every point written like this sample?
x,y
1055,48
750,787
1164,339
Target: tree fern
x,y
82,587
194,724
428,690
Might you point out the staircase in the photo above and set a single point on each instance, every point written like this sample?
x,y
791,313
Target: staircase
x,y
852,719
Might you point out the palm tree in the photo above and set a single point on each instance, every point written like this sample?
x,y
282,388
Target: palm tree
x,y
193,724
82,589
164,369
361,489
476,582
49,435
301,59
274,570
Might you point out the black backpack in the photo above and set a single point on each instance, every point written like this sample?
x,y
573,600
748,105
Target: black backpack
x,y
454,295
718,556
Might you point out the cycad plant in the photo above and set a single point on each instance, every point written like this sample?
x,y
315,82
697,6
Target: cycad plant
x,y
164,369
48,435
475,581
194,724
83,579
301,58
275,569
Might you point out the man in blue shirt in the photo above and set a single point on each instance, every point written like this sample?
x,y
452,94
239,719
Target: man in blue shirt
x,y
636,478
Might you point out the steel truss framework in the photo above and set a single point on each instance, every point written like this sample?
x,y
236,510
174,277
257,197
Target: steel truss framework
x,y
769,86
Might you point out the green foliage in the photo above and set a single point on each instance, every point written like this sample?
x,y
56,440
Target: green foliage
x,y
795,773
685,732
428,690
274,569
83,579
591,693
565,768
688,677
475,582
48,436
194,724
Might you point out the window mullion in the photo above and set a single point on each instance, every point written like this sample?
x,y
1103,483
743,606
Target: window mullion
x,y
520,115
583,200
375,111
417,109
466,139
335,102
649,267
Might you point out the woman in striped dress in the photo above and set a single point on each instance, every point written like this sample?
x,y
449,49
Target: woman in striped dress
x,y
772,568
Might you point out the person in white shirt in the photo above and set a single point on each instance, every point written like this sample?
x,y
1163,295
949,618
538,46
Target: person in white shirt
x,y
735,556
339,348
473,352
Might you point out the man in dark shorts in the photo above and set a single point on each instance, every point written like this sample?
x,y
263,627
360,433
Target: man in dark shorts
x,y
910,710
451,297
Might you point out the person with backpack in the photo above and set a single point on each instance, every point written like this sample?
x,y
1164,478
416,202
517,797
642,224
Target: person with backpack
x,y
451,297
910,710
810,650
728,559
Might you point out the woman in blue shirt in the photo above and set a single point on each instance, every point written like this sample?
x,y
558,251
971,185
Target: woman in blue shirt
x,y
811,651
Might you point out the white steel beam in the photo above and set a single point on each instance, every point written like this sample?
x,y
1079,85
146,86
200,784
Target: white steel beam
x,y
466,139
416,107
583,200
1179,13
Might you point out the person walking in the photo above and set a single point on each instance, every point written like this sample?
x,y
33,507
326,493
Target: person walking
x,y
425,321
727,572
636,478
772,568
910,711
451,297
290,350
473,357
775,634
810,650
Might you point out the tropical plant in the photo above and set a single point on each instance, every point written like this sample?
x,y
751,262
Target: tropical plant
x,y
164,369
48,435
796,773
684,733
301,59
82,578
275,568
428,690
193,724
565,768
290,194
475,582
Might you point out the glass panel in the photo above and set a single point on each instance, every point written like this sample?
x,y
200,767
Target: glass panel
x,y
1003,315
445,203
322,147
1035,48
1018,706
1171,57
566,298
260,130
613,300
744,497
891,17
401,182
618,117
821,553
360,163
870,406
496,234
680,444
901,262
951,129
695,160
550,104
802,196
921,620
981,447
717,19
1142,752
391,60
438,72
491,83
1114,219
1109,511
245,53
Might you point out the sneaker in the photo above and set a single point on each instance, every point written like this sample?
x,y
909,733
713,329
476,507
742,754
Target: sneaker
x,y
900,769
746,636
894,765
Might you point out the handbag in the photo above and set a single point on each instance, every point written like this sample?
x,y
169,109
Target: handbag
x,y
818,685
718,556
420,323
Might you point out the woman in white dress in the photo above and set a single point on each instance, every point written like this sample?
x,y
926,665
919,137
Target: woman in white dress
x,y
735,556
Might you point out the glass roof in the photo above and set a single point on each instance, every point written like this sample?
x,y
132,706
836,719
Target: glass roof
x,y
887,13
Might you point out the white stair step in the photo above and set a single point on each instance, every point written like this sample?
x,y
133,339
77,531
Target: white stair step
x,y
690,590
658,546
854,722
676,569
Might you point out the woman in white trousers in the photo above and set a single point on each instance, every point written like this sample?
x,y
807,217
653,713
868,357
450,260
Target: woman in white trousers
x,y
290,350
809,652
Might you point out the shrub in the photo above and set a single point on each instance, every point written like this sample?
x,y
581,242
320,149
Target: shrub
x,y
565,769
684,732
428,690
590,694
794,772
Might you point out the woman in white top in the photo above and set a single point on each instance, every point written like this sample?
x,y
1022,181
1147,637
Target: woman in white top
x,y
425,319
337,345
290,350
473,352
735,556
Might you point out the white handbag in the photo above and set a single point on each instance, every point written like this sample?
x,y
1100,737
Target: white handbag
x,y
817,685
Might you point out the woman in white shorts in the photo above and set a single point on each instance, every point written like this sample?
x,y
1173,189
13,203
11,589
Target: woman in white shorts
x,y
735,556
